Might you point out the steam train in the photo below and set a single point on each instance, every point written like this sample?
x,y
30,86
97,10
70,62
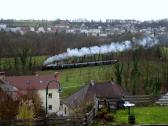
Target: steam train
x,y
77,65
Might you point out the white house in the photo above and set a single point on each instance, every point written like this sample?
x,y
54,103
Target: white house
x,y
103,35
85,31
3,26
39,84
41,29
94,32
32,29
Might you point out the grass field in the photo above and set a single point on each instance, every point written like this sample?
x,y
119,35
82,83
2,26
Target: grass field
x,y
73,79
9,63
145,115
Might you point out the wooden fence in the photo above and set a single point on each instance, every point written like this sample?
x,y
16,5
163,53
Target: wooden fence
x,y
66,121
141,99
23,122
89,117
84,120
116,103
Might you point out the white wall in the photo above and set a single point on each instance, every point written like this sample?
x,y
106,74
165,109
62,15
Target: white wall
x,y
54,101
64,110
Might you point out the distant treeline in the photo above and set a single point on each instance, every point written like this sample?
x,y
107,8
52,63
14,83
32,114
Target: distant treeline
x,y
51,43
22,48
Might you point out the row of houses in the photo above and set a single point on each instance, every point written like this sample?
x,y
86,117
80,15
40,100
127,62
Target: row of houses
x,y
23,30
15,86
57,28
98,29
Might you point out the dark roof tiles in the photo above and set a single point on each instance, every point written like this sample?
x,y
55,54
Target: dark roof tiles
x,y
87,93
33,82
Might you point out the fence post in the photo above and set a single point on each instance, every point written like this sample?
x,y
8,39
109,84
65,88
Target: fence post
x,y
46,121
98,105
94,112
86,119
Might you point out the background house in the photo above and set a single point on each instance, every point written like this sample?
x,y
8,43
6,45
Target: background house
x,y
87,95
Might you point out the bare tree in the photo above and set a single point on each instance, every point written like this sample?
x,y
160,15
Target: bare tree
x,y
135,74
118,67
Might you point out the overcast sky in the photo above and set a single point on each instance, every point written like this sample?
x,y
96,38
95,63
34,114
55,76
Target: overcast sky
x,y
90,9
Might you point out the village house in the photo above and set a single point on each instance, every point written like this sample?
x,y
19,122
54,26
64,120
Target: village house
x,y
3,26
38,83
94,32
41,30
87,95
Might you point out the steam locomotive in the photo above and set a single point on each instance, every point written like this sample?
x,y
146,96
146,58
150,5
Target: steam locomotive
x,y
77,65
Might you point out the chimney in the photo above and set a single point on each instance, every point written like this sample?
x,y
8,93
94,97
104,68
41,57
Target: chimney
x,y
57,76
36,74
112,82
2,75
92,82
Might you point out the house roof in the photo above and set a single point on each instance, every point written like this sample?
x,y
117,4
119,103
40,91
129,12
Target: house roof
x,y
33,82
88,92
7,87
106,89
77,98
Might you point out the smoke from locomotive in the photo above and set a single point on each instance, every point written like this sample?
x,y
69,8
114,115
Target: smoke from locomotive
x,y
108,48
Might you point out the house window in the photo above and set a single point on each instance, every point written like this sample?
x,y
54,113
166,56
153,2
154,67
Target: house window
x,y
50,95
50,107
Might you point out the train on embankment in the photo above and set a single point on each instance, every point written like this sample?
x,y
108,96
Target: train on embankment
x,y
57,66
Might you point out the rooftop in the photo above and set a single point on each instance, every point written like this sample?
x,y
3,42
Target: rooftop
x,y
33,82
88,92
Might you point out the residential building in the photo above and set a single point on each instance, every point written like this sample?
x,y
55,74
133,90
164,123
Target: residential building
x,y
32,29
3,26
88,93
94,32
38,83
41,29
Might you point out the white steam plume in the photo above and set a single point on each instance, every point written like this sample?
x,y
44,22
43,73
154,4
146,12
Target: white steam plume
x,y
108,48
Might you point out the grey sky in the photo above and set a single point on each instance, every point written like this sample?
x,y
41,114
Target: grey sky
x,y
90,9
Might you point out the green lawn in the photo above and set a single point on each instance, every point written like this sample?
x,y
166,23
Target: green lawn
x,y
145,115
164,52
73,79
9,63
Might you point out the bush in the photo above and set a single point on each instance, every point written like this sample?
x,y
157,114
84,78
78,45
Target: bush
x,y
89,107
8,107
26,110
109,117
102,112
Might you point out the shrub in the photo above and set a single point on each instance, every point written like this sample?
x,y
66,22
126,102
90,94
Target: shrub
x,y
102,112
8,107
109,117
89,107
26,110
